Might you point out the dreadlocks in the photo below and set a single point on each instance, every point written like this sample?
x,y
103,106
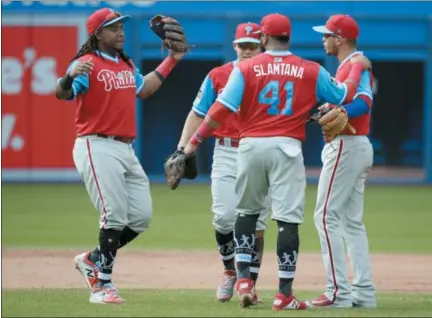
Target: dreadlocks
x,y
90,46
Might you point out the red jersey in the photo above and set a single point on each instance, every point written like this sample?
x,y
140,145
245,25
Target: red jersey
x,y
279,93
362,123
210,89
108,104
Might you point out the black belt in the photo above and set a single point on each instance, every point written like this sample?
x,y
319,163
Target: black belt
x,y
126,140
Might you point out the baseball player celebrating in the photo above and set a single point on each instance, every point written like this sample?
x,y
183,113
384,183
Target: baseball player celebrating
x,y
347,160
224,170
105,83
274,92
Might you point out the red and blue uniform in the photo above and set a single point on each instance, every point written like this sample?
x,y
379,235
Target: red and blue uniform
x,y
274,93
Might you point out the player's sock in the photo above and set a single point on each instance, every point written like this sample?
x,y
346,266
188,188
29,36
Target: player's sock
x,y
108,243
226,247
244,233
127,236
257,256
288,243
94,255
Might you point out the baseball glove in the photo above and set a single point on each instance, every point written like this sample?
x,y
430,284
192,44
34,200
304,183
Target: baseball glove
x,y
178,166
333,120
171,33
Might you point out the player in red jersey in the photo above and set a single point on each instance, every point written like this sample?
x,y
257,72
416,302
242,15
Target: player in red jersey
x,y
347,161
274,93
105,83
224,169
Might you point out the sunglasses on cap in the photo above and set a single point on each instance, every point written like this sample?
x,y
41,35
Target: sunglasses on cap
x,y
248,45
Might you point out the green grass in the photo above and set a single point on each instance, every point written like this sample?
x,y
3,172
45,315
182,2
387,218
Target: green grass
x,y
61,216
151,303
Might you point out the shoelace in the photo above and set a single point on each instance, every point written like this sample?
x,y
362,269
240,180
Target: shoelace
x,y
228,281
111,290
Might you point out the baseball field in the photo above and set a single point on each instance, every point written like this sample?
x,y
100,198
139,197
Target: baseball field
x,y
173,269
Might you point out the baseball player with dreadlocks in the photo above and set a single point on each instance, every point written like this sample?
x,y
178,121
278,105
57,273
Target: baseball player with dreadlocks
x,y
347,160
224,170
105,82
274,93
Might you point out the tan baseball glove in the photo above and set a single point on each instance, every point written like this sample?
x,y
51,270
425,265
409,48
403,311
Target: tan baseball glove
x,y
333,121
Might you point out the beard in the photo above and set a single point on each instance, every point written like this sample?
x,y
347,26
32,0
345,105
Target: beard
x,y
262,48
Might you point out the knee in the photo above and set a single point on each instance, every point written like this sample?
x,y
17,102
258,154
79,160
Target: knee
x,y
318,218
224,223
354,227
141,222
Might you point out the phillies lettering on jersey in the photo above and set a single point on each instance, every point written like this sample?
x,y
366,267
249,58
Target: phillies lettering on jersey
x,y
107,98
362,123
274,93
120,80
212,87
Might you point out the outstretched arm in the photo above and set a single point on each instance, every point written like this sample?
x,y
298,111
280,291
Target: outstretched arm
x,y
205,97
154,80
228,102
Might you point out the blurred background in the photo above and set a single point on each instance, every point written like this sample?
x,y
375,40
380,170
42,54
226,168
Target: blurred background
x,y
40,37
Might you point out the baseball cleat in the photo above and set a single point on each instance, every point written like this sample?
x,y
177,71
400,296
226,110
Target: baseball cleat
x,y
105,294
324,301
225,290
256,300
245,292
283,302
364,305
87,269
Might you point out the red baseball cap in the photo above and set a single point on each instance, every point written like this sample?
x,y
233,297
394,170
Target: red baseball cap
x,y
276,24
247,33
102,18
341,25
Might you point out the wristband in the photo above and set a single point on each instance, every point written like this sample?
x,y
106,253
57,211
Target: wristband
x,y
165,68
160,76
66,82
203,132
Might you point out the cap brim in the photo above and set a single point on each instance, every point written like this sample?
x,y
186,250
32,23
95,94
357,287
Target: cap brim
x,y
123,19
322,29
247,40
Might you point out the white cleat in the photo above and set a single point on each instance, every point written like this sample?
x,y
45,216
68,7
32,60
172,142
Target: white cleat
x,y
87,269
105,294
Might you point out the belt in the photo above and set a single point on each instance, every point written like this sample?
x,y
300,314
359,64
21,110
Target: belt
x,y
126,140
228,142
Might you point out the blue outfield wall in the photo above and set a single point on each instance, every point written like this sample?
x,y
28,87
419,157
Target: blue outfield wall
x,y
390,31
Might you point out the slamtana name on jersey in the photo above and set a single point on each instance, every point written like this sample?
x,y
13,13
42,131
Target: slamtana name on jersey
x,y
279,69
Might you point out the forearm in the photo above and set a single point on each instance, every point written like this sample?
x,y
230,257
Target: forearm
x,y
358,107
214,118
154,80
191,125
63,94
64,88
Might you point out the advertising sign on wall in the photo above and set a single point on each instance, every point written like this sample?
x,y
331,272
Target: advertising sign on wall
x,y
37,130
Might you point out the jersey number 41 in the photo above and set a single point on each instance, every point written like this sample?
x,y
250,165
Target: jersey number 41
x,y
272,89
